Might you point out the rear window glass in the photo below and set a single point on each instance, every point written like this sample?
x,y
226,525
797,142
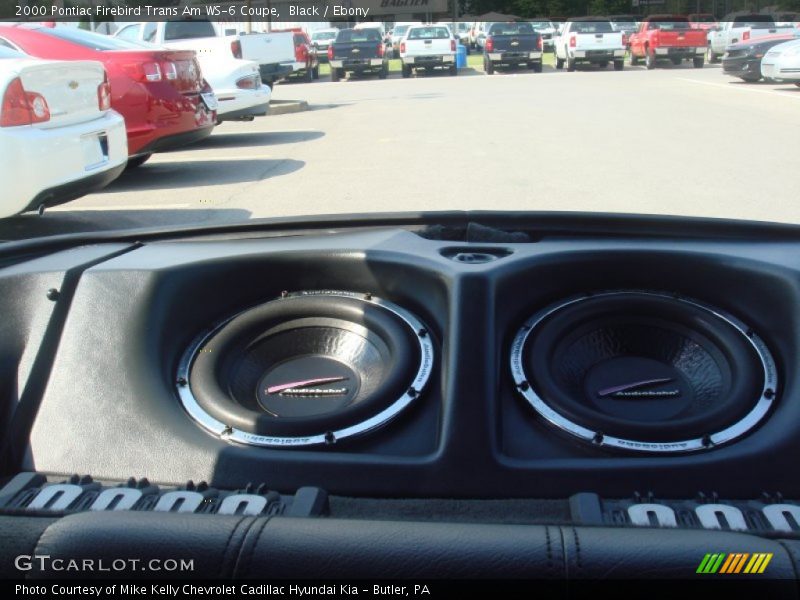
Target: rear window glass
x,y
187,30
511,29
323,35
87,39
358,35
429,33
671,25
592,27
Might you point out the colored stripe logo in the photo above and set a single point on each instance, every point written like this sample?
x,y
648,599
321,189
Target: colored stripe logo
x,y
734,563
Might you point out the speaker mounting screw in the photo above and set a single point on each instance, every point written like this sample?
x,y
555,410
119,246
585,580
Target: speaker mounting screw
x,y
706,441
53,294
598,438
769,393
367,296
523,385
181,381
330,438
284,294
227,432
422,332
412,391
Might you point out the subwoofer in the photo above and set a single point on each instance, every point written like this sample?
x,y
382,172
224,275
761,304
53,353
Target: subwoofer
x,y
644,371
311,367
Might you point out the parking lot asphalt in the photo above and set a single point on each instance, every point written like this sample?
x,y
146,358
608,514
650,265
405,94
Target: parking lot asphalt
x,y
675,140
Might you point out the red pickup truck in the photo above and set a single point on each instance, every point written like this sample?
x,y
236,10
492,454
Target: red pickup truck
x,y
668,37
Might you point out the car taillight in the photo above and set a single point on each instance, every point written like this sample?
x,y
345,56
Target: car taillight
x,y
489,44
330,52
573,41
22,108
300,53
381,50
104,95
745,36
170,70
151,71
539,44
402,46
236,49
452,45
251,82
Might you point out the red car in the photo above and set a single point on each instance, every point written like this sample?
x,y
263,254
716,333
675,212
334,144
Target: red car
x,y
669,37
306,61
161,93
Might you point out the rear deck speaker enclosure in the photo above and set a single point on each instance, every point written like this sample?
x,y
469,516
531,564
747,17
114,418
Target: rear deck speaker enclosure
x,y
307,368
644,371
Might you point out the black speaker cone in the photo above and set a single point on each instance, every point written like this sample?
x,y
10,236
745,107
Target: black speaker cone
x,y
311,367
644,371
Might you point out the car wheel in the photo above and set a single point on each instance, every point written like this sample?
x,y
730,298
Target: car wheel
x,y
334,74
713,58
315,72
406,71
384,71
537,67
488,67
559,62
699,61
619,65
634,59
137,161
570,64
308,75
650,59
453,70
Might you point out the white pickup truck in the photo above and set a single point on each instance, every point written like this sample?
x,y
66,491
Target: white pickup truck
x,y
428,47
740,28
589,40
274,52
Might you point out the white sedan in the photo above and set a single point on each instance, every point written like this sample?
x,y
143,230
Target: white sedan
x,y
237,84
782,63
59,137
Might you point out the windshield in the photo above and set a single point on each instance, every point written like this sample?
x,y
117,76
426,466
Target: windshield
x,y
511,29
253,125
323,35
428,33
347,36
670,25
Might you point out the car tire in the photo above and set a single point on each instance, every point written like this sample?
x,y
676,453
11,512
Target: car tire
x,y
308,76
537,67
453,70
315,72
619,65
712,57
488,67
384,72
699,61
406,72
650,59
334,74
570,64
559,62
634,60
137,161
